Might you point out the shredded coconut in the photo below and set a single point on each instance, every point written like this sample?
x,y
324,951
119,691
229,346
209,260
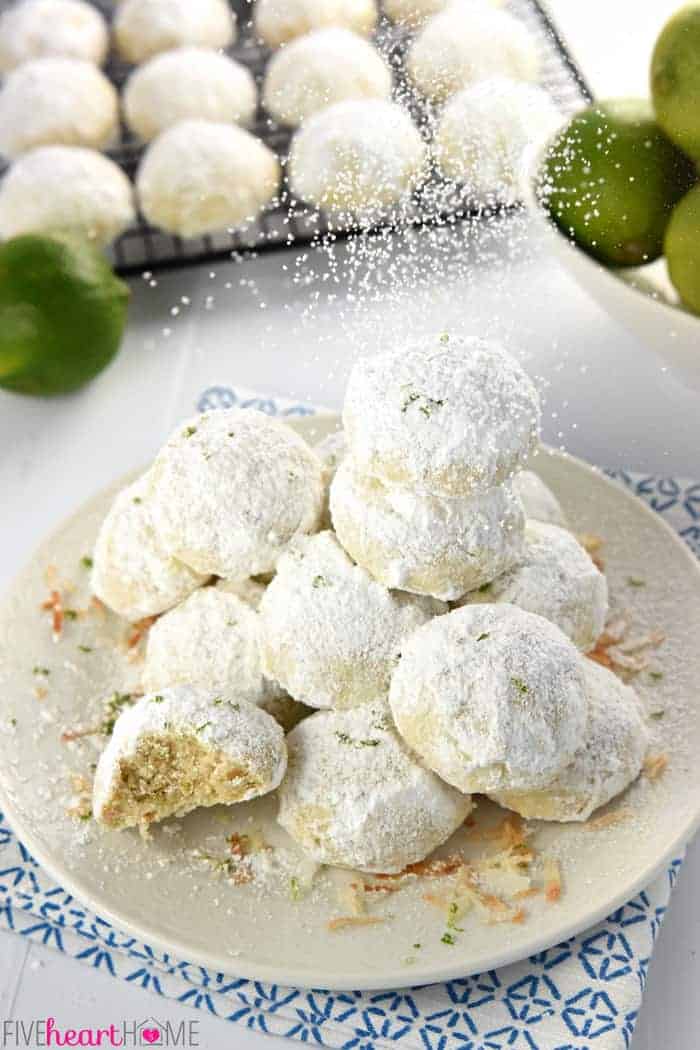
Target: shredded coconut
x,y
449,415
491,698
231,488
332,634
610,758
355,796
56,101
131,572
557,580
411,540
357,160
211,640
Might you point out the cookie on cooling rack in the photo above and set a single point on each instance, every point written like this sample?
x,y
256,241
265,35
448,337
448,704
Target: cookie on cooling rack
x,y
131,572
331,634
491,698
608,760
409,539
484,132
57,101
319,69
555,578
183,748
188,83
355,796
143,28
446,414
279,21
39,28
200,177
358,160
231,488
469,41
54,189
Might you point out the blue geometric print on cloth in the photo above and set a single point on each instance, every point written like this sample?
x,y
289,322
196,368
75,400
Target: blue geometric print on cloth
x,y
582,994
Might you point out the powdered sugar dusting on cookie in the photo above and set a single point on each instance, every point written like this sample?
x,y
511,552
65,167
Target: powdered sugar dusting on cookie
x,y
491,698
332,634
355,795
132,573
448,414
232,488
409,539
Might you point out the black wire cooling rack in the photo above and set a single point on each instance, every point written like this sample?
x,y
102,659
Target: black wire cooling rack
x,y
143,248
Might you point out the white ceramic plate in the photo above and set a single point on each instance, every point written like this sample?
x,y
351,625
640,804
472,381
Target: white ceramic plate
x,y
159,893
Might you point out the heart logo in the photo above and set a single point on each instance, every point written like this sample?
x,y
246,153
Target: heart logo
x,y
151,1035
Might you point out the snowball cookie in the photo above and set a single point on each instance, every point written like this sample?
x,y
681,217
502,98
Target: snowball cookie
x,y
189,82
56,101
279,21
332,634
356,797
492,698
609,758
539,502
37,28
421,543
182,748
231,488
357,159
484,131
331,451
200,177
145,27
211,640
131,573
451,416
66,188
556,579
466,42
317,70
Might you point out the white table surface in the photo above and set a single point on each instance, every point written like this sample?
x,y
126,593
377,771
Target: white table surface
x,y
608,398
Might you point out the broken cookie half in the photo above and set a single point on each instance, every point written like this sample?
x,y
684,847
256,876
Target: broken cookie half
x,y
183,748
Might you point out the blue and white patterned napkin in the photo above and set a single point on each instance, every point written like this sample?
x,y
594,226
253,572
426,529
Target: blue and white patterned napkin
x,y
583,994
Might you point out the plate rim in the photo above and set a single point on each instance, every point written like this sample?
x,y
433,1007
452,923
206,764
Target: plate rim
x,y
394,977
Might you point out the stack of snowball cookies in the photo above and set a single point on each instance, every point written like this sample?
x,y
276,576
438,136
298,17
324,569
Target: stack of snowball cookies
x,y
377,628
197,117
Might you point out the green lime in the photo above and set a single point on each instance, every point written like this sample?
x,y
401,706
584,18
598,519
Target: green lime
x,y
682,249
675,79
610,180
62,314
